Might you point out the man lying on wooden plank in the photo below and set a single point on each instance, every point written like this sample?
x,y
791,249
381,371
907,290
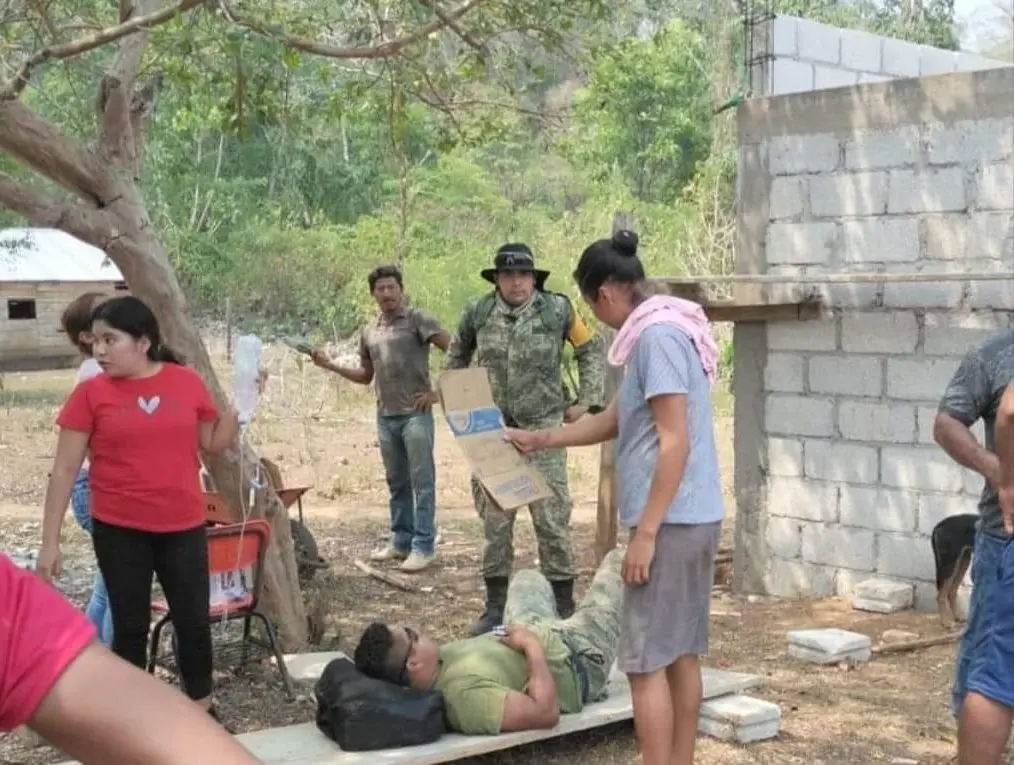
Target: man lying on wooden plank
x,y
523,678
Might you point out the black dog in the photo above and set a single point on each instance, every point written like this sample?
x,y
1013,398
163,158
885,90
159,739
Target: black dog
x,y
952,539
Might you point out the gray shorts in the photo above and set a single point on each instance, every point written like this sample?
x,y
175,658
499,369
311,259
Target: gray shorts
x,y
667,617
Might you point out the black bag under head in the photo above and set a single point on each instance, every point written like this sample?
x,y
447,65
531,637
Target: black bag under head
x,y
362,714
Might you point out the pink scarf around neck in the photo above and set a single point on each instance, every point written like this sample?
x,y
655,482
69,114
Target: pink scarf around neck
x,y
688,316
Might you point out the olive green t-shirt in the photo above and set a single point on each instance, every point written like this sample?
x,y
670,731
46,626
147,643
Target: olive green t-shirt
x,y
477,674
400,351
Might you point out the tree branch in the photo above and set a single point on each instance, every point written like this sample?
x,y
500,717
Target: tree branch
x,y
455,27
450,107
45,18
471,103
75,218
115,137
14,87
383,50
120,142
37,143
142,107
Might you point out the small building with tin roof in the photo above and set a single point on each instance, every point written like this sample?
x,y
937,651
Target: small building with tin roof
x,y
41,271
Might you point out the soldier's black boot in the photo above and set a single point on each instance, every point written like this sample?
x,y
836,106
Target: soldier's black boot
x,y
496,600
563,592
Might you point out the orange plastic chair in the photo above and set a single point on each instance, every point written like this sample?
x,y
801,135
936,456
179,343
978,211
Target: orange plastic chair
x,y
293,496
216,511
235,567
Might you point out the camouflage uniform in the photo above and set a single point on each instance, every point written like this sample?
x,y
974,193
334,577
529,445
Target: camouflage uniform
x,y
592,633
522,348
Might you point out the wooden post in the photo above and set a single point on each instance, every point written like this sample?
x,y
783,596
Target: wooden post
x,y
605,526
605,523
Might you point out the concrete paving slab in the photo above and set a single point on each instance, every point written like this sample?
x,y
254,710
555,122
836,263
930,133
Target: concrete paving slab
x,y
882,596
829,646
740,718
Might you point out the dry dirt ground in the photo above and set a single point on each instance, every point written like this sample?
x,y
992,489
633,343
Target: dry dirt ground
x,y
321,432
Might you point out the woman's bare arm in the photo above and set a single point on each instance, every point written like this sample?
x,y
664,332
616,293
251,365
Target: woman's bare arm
x,y
104,711
71,447
596,429
669,413
215,437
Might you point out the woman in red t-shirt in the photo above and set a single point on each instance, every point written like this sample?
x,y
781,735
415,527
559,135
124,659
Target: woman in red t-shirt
x,y
144,422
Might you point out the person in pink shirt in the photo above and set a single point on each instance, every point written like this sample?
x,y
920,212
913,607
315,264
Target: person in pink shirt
x,y
669,488
50,661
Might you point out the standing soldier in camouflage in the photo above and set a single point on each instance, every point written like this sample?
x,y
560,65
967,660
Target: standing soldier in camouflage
x,y
518,332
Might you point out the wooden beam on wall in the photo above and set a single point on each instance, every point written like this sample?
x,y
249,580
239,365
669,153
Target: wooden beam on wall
x,y
734,312
751,302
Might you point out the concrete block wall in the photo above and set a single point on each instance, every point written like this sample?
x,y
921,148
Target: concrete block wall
x,y
805,56
837,476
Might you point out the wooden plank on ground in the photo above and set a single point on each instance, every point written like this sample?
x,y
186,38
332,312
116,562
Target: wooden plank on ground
x,y
305,745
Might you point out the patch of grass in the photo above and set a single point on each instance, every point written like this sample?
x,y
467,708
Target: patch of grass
x,y
31,399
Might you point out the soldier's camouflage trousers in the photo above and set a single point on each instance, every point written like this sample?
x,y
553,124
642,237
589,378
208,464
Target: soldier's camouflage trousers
x,y
550,517
593,632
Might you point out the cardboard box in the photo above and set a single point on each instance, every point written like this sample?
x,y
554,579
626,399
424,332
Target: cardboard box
x,y
478,427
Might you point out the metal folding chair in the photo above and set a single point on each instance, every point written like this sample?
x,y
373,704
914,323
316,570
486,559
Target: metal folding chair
x,y
235,565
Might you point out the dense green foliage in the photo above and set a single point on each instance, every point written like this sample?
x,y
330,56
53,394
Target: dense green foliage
x,y
280,178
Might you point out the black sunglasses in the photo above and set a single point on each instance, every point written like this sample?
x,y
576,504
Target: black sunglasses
x,y
413,638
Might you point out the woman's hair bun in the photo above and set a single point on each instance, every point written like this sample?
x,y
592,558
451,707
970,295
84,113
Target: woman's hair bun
x,y
625,242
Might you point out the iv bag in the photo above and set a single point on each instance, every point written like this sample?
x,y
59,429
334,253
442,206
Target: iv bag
x,y
246,371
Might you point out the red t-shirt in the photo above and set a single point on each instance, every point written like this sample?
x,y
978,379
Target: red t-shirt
x,y
41,634
144,446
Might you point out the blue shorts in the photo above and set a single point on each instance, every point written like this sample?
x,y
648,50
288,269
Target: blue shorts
x,y
992,669
985,565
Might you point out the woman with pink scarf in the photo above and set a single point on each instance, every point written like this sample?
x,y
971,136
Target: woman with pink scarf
x,y
669,488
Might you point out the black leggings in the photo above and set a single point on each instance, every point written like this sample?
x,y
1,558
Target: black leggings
x,y
127,559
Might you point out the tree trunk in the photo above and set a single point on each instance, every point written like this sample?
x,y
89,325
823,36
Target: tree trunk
x,y
141,257
106,209
110,213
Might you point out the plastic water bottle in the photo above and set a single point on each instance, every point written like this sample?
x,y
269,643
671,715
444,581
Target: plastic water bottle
x,y
246,372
